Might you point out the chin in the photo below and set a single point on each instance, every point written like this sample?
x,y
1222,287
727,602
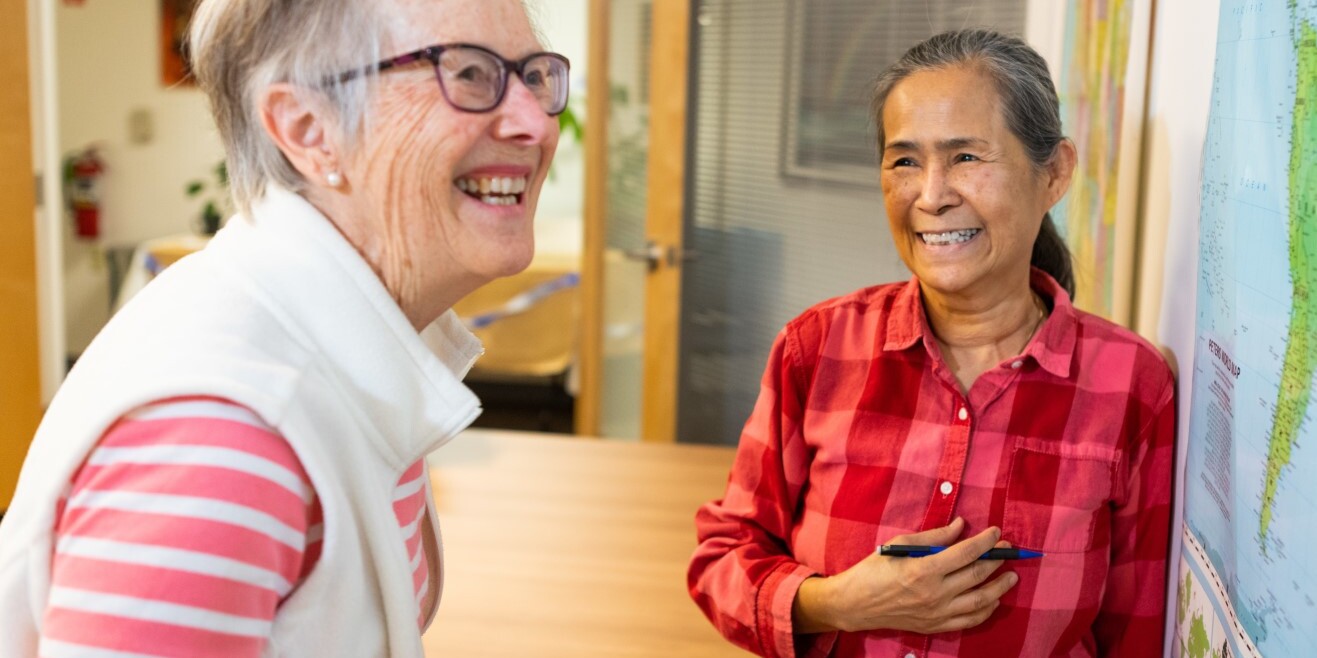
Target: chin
x,y
511,259
947,282
515,266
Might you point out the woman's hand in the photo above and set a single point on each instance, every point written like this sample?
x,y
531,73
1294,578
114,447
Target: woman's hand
x,y
931,594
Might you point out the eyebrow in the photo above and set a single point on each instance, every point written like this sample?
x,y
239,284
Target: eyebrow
x,y
943,145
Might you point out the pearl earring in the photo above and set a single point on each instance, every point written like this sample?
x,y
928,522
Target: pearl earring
x,y
334,179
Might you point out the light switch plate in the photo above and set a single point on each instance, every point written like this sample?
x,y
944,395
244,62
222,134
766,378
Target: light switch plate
x,y
141,126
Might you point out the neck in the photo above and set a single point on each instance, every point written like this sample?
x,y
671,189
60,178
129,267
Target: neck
x,y
423,296
977,332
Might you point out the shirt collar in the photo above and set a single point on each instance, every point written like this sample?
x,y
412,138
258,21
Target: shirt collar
x,y
907,323
1053,348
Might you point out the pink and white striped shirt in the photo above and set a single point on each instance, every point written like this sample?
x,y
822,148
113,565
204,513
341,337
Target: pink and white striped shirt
x,y
185,529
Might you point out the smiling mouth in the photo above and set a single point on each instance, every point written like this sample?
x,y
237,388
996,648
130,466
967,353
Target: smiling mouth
x,y
494,190
949,237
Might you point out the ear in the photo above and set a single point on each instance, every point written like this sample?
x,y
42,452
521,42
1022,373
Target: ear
x,y
1060,170
301,130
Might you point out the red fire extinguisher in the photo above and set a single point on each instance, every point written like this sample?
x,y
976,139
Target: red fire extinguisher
x,y
82,172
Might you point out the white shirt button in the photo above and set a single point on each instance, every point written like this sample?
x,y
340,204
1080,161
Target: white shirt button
x,y
910,655
1016,364
964,413
945,488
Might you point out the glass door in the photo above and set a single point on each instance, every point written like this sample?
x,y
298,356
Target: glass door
x,y
625,267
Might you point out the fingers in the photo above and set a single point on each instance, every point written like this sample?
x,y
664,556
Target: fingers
x,y
950,590
966,552
986,597
965,610
971,575
943,536
967,620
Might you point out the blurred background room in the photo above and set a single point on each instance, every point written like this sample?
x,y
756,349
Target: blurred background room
x,y
716,176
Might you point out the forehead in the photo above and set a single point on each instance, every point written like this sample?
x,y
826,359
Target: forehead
x,y
501,25
951,102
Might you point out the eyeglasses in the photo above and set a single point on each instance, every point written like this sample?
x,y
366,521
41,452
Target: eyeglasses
x,y
475,79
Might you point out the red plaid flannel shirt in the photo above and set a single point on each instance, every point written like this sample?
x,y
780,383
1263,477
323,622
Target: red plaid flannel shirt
x,y
861,433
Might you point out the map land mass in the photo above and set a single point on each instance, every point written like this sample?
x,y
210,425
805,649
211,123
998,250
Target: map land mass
x,y
1300,361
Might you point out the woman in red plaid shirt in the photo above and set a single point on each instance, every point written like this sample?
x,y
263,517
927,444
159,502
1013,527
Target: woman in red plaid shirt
x,y
971,407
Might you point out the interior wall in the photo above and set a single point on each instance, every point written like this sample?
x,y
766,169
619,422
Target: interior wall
x,y
1179,97
42,90
109,68
558,223
1175,131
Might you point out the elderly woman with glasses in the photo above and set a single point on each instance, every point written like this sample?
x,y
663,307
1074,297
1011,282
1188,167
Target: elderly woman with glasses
x,y
963,464
236,465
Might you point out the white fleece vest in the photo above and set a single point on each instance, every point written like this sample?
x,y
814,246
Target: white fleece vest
x,y
280,314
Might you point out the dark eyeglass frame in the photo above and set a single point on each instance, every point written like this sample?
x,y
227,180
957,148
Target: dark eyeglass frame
x,y
431,54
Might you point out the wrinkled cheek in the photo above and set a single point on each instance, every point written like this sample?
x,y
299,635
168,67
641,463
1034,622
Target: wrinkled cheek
x,y
403,182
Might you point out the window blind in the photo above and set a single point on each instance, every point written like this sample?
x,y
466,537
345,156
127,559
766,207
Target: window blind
x,y
784,208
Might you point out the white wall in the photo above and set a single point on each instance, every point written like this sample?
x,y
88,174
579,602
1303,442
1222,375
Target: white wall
x,y
1179,96
49,214
558,225
108,67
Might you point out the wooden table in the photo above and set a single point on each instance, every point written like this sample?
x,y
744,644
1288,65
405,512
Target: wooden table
x,y
571,547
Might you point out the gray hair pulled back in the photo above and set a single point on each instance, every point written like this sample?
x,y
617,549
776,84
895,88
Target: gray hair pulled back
x,y
1029,104
239,47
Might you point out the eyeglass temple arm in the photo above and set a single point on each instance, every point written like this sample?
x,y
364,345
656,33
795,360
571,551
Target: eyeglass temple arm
x,y
379,67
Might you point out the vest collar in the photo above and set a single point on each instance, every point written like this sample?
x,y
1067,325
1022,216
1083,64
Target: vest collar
x,y
408,384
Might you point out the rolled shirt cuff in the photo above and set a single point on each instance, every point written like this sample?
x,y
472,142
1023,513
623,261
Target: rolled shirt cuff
x,y
776,598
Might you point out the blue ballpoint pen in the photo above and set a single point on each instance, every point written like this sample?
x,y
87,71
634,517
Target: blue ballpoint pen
x,y
906,550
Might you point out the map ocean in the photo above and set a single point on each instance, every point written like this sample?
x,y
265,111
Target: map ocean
x,y
1247,579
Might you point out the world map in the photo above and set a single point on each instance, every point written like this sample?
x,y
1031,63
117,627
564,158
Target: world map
x,y
1246,581
1092,94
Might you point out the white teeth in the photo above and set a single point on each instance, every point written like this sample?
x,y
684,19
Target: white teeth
x,y
501,188
949,237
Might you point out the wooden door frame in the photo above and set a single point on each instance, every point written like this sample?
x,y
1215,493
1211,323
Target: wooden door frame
x,y
664,218
590,356
20,386
664,215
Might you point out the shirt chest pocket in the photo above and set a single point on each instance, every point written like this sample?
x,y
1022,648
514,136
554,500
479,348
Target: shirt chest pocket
x,y
1058,500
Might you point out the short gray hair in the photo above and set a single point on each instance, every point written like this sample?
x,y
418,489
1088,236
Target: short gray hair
x,y
239,47
1029,104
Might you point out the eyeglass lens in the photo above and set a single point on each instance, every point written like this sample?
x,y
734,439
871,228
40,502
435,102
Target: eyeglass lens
x,y
475,80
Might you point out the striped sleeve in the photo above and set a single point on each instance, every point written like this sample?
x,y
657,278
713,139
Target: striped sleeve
x,y
410,509
187,525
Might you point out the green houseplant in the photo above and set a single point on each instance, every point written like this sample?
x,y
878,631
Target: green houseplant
x,y
214,193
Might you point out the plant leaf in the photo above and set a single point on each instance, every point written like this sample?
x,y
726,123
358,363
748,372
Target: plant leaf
x,y
569,123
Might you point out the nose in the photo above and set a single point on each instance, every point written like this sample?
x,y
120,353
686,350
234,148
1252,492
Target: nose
x,y
936,191
521,119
